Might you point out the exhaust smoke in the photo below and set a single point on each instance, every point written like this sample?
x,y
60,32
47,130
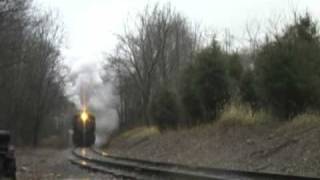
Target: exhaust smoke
x,y
89,92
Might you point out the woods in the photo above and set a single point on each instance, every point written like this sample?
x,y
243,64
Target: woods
x,y
166,74
32,76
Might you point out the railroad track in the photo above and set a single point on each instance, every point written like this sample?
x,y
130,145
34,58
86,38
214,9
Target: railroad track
x,y
129,168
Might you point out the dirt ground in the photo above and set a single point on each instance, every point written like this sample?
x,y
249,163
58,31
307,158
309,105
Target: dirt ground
x,y
47,164
286,148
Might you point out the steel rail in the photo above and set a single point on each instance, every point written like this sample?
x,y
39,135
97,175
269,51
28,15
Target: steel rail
x,y
146,172
202,171
143,169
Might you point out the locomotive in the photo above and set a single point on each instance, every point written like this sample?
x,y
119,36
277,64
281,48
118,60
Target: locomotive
x,y
84,126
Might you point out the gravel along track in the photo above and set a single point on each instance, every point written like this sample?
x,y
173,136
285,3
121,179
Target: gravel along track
x,y
139,169
50,164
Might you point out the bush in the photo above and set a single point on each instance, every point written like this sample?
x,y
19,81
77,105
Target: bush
x,y
234,66
190,99
165,111
206,88
234,71
288,69
248,92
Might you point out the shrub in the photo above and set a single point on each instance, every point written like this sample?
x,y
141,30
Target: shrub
x,y
288,71
165,110
206,89
234,71
248,92
190,99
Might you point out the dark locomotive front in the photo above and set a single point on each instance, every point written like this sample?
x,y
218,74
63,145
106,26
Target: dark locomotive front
x,y
84,129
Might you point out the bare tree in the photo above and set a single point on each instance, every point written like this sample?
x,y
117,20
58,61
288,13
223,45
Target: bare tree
x,y
30,83
150,56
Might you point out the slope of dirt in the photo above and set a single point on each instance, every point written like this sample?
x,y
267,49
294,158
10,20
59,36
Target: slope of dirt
x,y
288,148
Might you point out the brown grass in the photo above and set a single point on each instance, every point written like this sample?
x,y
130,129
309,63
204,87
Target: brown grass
x,y
306,119
243,115
140,132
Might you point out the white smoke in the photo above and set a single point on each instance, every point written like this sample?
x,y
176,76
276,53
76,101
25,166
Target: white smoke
x,y
88,89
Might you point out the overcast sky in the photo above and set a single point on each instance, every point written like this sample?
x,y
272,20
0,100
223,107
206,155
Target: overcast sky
x,y
90,25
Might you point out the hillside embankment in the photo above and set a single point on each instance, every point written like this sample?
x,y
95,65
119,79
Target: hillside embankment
x,y
288,147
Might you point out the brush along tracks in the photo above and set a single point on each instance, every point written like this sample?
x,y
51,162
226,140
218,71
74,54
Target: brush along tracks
x,y
128,168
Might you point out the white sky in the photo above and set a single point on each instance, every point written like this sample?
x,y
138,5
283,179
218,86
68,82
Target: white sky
x,y
91,25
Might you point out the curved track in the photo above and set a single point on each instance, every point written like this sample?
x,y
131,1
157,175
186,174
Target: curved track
x,y
129,168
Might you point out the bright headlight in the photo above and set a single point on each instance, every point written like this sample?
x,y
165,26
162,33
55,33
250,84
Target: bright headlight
x,y
84,116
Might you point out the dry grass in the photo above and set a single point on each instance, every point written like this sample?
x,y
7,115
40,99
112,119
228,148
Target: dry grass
x,y
240,114
306,119
141,132
234,114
